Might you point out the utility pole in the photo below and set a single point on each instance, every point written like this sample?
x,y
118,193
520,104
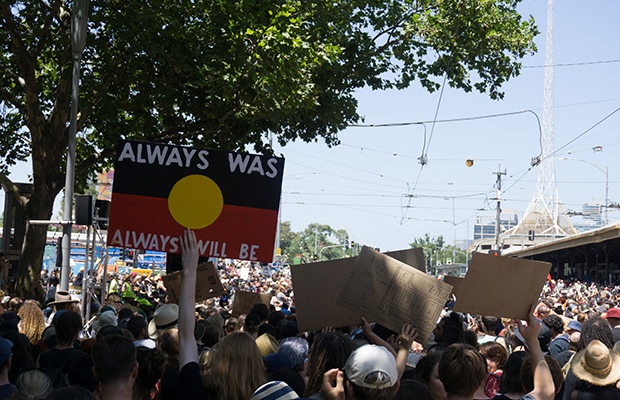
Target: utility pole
x,y
498,211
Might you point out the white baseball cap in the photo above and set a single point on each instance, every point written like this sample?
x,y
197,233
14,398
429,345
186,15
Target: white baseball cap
x,y
372,366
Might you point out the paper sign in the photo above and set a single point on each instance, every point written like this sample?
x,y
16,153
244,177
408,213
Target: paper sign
x,y
208,284
244,301
456,282
230,200
391,292
501,286
317,286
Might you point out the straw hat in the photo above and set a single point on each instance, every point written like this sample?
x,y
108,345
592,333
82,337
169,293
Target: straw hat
x,y
166,316
62,296
267,344
597,364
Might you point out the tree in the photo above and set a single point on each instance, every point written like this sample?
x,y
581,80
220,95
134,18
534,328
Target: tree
x,y
436,251
303,243
224,74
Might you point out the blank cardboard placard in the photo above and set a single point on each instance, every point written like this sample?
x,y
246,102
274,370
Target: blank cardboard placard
x,y
501,286
456,283
244,301
317,286
391,292
208,283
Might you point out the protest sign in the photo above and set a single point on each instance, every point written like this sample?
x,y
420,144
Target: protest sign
x,y
501,286
208,284
390,292
317,286
230,200
456,282
244,301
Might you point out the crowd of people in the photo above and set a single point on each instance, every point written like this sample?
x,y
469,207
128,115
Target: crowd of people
x,y
138,345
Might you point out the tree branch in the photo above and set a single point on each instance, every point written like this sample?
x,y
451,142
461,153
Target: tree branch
x,y
16,41
13,101
46,28
9,186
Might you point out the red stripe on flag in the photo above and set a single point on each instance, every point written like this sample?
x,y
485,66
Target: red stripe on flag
x,y
243,232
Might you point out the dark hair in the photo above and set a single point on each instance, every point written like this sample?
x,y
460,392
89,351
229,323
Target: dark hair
x,y
424,368
382,331
362,393
554,322
267,328
262,310
527,375
113,358
490,323
412,389
67,326
136,324
452,329
291,378
211,336
329,350
461,369
496,352
510,382
275,316
595,328
150,369
70,393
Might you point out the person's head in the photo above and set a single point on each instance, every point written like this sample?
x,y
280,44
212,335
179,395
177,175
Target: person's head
x,y
595,328
5,355
32,321
235,369
461,369
138,327
150,368
68,326
114,359
63,301
252,322
450,329
489,324
15,304
211,335
230,325
329,350
262,310
543,311
555,324
33,384
613,316
70,393
495,354
169,344
371,373
510,382
427,373
412,389
527,375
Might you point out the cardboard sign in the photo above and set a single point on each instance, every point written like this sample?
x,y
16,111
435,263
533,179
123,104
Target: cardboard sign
x,y
456,283
501,286
317,286
230,200
391,292
244,301
208,284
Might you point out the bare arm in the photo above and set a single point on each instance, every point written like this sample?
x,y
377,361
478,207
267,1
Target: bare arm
x,y
188,350
408,334
544,388
374,339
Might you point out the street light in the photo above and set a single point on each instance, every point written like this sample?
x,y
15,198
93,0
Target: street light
x,y
606,172
79,20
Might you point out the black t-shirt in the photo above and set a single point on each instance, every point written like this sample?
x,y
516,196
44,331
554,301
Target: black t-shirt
x,y
192,386
54,358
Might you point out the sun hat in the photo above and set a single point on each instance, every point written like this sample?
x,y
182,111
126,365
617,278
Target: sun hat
x,y
5,349
61,297
574,325
274,390
106,308
613,313
368,359
267,344
166,316
597,364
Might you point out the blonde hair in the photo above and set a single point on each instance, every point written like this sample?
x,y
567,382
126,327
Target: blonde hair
x,y
33,385
169,344
235,369
32,321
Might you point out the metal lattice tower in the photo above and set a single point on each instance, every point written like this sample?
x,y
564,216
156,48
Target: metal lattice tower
x,y
545,214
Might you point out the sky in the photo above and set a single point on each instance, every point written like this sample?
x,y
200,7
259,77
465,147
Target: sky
x,y
373,186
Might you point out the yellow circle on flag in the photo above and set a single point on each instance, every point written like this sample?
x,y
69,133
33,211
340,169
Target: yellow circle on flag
x,y
195,201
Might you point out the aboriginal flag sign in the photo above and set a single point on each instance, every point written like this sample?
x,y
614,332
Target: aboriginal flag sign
x,y
230,200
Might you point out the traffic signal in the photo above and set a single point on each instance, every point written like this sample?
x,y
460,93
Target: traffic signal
x,y
495,252
315,257
531,234
352,243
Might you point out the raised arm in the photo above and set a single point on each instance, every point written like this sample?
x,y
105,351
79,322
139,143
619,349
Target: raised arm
x,y
374,339
544,388
188,350
407,335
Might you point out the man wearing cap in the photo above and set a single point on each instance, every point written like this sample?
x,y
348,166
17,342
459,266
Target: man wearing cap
x,y
369,373
613,319
6,387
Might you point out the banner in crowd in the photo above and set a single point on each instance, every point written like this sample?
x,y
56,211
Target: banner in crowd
x,y
208,284
230,200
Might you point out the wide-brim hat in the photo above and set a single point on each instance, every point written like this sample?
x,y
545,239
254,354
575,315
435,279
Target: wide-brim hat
x,y
597,364
166,316
267,344
62,297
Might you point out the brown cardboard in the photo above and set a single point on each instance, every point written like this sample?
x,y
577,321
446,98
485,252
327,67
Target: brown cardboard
x,y
244,301
501,286
317,286
390,292
456,283
208,283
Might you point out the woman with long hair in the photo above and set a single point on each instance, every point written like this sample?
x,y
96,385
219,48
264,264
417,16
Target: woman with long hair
x,y
32,321
329,350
